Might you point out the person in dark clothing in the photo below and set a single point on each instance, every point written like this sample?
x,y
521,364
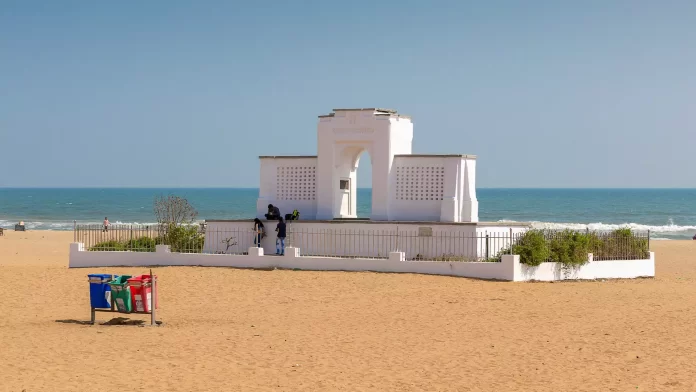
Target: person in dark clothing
x,y
258,230
280,242
273,213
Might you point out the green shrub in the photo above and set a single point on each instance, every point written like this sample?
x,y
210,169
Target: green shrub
x,y
621,244
111,245
570,248
183,239
531,247
142,244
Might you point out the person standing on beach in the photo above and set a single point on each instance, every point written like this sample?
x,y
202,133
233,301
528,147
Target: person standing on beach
x,y
106,224
258,229
280,242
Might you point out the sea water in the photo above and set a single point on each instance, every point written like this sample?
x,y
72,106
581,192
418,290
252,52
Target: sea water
x,y
667,213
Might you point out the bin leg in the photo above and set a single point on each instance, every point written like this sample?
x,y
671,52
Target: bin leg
x,y
153,320
93,315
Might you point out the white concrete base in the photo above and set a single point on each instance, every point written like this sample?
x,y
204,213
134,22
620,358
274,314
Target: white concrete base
x,y
397,256
606,269
508,269
292,252
255,251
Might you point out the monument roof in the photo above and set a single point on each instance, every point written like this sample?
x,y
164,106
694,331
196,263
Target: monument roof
x,y
365,109
468,156
376,111
286,156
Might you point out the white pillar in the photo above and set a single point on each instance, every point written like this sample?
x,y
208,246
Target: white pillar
x,y
292,252
382,158
325,171
449,211
77,247
397,256
512,268
468,202
255,251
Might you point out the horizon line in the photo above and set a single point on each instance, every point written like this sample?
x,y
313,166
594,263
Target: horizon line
x,y
250,188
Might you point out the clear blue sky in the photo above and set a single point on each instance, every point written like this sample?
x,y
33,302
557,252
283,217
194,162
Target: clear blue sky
x,y
174,93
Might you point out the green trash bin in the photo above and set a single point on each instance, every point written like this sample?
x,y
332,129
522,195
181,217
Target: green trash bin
x,y
121,294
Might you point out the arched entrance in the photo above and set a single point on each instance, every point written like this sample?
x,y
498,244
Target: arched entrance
x,y
347,171
342,137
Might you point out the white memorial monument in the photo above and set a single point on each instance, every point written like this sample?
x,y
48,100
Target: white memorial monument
x,y
424,215
405,186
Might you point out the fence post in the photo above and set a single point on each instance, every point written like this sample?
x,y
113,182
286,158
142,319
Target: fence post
x,y
487,254
397,239
74,230
648,240
511,240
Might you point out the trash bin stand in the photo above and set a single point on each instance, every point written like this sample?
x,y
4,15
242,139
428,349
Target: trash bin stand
x,y
153,305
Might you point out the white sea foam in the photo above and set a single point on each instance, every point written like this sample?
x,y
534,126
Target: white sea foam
x,y
669,228
668,231
37,225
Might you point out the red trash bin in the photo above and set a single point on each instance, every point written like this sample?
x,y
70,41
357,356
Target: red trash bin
x,y
141,293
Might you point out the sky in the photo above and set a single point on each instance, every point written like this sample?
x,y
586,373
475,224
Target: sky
x,y
189,94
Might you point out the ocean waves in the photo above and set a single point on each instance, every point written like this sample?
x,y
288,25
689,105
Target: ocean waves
x,y
667,231
64,226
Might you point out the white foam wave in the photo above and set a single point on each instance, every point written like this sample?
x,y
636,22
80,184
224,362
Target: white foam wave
x,y
66,226
670,228
132,223
38,225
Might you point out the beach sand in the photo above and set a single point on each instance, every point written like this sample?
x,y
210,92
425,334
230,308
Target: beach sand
x,y
244,330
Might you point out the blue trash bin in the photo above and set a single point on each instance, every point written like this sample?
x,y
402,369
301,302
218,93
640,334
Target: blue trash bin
x,y
99,290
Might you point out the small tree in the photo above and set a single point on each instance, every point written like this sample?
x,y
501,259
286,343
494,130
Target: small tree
x,y
174,211
175,215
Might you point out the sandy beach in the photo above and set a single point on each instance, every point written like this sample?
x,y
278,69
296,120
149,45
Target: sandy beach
x,y
246,330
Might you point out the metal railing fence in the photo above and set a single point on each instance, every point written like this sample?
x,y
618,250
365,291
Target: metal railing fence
x,y
423,244
377,244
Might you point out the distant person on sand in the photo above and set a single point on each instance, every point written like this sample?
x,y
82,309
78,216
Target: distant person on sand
x,y
280,242
106,224
273,212
259,232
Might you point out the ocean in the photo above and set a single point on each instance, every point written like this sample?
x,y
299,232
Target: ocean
x,y
667,213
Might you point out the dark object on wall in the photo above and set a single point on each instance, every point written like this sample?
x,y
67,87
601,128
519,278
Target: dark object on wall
x,y
294,216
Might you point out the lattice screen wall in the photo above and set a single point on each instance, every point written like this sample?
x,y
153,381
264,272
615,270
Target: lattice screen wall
x,y
420,182
296,182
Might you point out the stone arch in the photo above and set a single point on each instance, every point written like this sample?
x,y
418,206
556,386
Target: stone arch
x,y
342,137
345,170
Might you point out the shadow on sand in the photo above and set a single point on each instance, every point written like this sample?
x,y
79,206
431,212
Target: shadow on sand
x,y
113,321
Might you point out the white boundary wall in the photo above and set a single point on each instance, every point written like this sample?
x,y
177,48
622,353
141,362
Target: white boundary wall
x,y
509,269
606,269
